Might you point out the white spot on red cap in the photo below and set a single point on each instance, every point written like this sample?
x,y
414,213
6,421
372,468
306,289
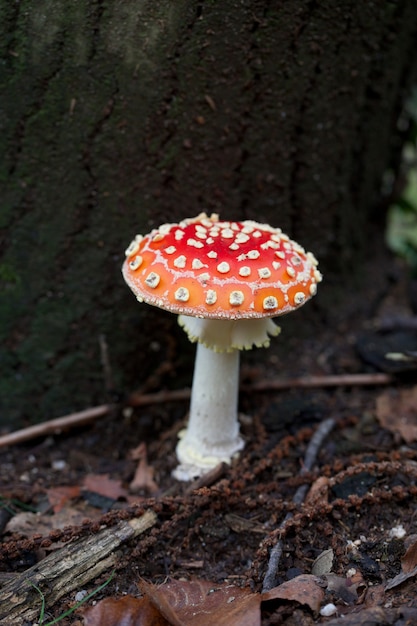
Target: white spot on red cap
x,y
132,248
136,263
180,262
211,296
152,280
170,250
247,229
264,272
195,243
245,271
236,298
223,267
182,294
269,303
241,238
253,254
212,254
197,264
299,297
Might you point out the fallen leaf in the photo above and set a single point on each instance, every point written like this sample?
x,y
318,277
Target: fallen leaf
x,y
201,603
323,563
397,412
29,524
408,566
318,493
104,486
59,496
400,578
304,589
143,478
409,560
126,611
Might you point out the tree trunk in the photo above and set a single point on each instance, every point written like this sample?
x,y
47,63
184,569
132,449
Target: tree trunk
x,y
116,116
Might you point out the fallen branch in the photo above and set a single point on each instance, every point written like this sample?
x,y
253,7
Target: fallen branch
x,y
309,382
66,570
274,384
270,579
60,424
55,426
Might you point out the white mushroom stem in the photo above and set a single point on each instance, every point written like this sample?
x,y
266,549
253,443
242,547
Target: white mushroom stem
x,y
212,434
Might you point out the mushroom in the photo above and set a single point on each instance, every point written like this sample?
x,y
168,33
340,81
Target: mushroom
x,y
225,280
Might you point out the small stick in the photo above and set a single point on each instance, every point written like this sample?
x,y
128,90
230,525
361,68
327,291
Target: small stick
x,y
55,426
313,448
274,384
342,380
81,418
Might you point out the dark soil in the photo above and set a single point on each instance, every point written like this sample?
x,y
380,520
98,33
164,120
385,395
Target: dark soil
x,y
362,486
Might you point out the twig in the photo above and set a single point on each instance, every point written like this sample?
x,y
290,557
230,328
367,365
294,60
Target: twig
x,y
207,479
342,380
81,418
55,426
274,384
313,448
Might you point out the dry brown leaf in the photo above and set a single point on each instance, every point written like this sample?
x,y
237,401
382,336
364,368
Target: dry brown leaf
x,y
104,486
304,589
408,566
318,492
397,412
201,603
400,578
375,596
143,478
29,524
126,611
59,496
409,560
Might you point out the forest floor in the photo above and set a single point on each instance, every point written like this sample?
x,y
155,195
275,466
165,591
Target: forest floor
x,y
345,548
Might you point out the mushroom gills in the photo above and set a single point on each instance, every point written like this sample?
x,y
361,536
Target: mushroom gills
x,y
227,335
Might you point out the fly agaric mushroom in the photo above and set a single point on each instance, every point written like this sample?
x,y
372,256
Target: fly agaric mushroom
x,y
225,280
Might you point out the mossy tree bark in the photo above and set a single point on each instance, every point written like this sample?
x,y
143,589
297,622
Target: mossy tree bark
x,y
117,115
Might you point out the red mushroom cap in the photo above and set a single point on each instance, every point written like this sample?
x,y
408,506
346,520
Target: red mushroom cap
x,y
208,268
